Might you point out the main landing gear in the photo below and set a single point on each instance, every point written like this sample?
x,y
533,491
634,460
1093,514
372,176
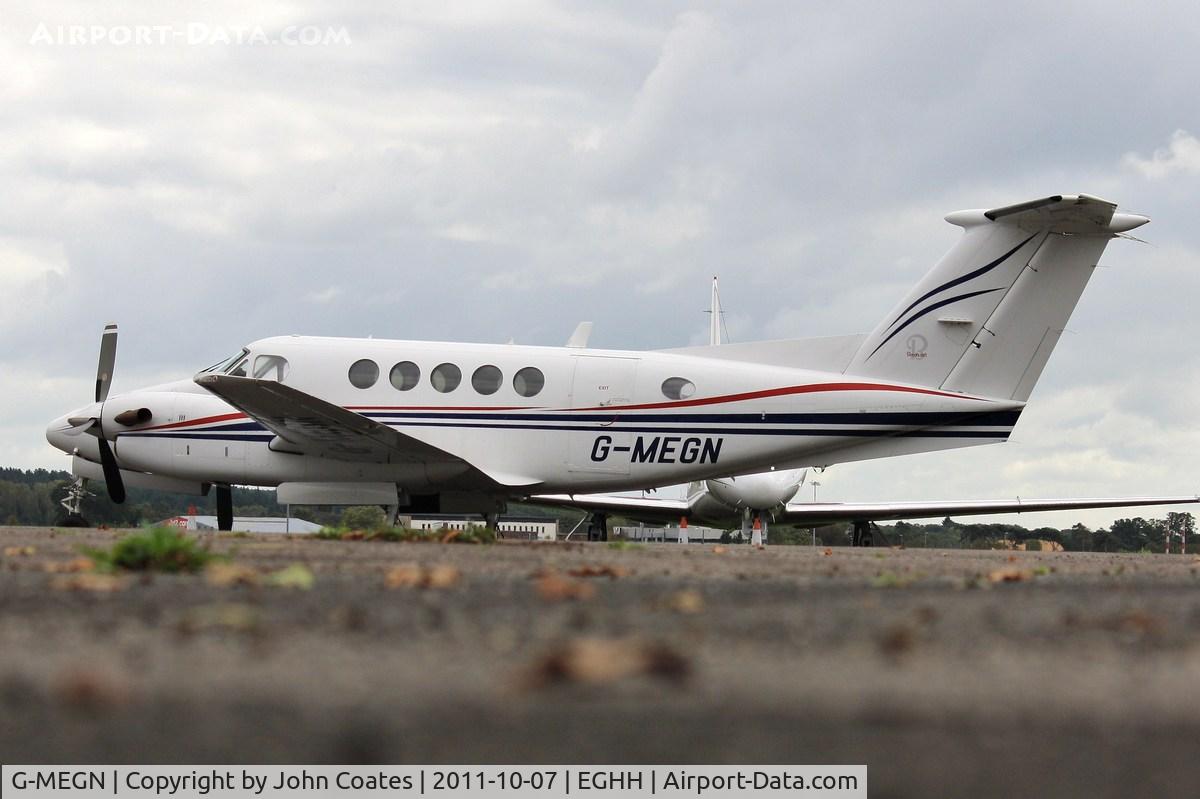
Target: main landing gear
x,y
224,508
866,534
597,529
754,528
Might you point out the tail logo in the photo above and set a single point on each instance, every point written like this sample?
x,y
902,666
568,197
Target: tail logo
x,y
917,344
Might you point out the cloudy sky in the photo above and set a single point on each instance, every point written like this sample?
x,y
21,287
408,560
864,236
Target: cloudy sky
x,y
209,174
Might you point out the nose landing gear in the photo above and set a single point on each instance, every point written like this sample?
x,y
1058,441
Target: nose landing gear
x,y
73,503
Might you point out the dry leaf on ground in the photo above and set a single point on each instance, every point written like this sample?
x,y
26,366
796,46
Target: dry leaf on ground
x,y
553,587
90,691
412,575
220,616
1009,575
223,575
598,571
597,661
99,583
73,566
687,602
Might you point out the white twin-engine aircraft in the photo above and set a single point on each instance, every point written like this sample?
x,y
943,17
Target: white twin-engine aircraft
x,y
451,427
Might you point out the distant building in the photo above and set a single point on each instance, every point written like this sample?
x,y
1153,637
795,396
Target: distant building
x,y
244,524
532,528
696,534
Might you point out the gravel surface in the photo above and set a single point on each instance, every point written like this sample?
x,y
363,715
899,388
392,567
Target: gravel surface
x,y
949,672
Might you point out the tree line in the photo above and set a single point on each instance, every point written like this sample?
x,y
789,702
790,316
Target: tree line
x,y
31,497
1125,535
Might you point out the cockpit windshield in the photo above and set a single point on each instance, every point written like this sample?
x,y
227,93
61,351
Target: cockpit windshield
x,y
234,365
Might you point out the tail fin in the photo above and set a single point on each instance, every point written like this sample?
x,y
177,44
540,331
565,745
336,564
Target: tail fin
x,y
986,317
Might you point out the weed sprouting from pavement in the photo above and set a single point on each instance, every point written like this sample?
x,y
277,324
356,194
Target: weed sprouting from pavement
x,y
162,549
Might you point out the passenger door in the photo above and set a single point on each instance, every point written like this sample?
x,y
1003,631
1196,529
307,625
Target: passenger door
x,y
600,382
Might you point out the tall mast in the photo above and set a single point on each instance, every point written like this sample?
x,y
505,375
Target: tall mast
x,y
714,322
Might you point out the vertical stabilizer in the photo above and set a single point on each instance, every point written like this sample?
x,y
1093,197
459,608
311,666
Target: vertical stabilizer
x,y
985,319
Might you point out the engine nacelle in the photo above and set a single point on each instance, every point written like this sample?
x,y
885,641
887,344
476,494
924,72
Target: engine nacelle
x,y
760,492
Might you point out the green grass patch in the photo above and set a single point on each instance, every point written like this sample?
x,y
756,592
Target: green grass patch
x,y
160,549
891,580
476,534
625,545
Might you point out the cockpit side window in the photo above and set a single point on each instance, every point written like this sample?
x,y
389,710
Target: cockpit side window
x,y
225,367
271,367
238,367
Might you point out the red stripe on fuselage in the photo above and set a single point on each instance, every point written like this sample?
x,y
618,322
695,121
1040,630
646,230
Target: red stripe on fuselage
x,y
225,417
778,392
811,388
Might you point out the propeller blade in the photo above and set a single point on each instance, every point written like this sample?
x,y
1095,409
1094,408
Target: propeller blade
x,y
108,358
112,472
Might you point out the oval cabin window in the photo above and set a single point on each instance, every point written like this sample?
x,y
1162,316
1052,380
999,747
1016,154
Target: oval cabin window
x,y
528,382
405,375
445,377
678,388
364,373
487,379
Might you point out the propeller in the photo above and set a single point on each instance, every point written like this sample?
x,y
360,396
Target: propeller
x,y
92,424
108,358
112,472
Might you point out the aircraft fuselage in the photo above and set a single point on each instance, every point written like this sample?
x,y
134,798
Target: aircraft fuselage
x,y
601,420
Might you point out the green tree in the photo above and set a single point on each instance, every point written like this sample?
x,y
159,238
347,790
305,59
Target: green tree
x,y
364,517
1134,535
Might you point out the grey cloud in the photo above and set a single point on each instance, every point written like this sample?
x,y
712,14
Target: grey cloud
x,y
485,172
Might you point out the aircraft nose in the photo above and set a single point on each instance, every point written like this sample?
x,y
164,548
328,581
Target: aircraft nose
x,y
67,431
58,434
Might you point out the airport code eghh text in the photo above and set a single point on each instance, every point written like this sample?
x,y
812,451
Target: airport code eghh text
x,y
442,781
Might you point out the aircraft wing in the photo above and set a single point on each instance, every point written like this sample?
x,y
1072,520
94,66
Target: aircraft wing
x,y
312,426
819,513
643,507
